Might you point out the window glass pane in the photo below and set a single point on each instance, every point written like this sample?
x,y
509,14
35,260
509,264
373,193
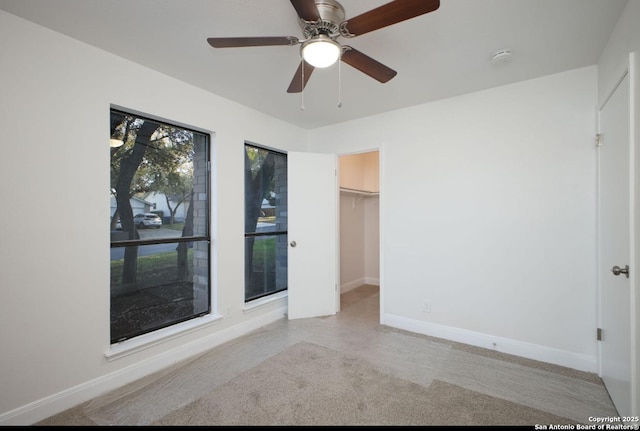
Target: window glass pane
x,y
265,213
268,265
159,225
265,190
169,287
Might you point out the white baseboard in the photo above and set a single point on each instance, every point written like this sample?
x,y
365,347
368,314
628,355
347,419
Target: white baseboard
x,y
537,352
59,402
350,285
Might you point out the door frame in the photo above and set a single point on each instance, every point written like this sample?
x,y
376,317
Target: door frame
x,y
380,150
634,132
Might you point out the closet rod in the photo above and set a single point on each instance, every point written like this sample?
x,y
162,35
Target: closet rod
x,y
358,192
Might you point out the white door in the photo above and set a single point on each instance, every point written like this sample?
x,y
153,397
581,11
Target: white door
x,y
614,208
312,234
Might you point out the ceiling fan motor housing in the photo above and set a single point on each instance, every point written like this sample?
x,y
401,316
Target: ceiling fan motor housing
x,y
331,15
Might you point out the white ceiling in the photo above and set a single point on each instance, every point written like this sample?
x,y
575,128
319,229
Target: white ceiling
x,y
438,55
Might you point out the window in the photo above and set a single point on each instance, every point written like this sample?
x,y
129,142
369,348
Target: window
x,y
265,221
160,241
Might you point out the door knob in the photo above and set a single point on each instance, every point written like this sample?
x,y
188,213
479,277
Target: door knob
x,y
292,243
617,270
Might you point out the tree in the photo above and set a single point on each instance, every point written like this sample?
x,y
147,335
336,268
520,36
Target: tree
x,y
177,188
128,166
141,165
183,247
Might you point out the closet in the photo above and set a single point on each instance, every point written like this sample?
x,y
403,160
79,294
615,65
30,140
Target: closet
x,y
359,220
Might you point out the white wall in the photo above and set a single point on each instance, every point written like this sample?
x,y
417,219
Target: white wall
x,y
625,39
372,240
352,241
487,211
359,241
54,313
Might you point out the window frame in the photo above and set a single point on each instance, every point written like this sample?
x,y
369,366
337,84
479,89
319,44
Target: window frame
x,y
206,237
262,234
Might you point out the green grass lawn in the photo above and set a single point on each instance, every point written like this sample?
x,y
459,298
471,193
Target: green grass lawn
x,y
175,226
160,268
264,254
154,270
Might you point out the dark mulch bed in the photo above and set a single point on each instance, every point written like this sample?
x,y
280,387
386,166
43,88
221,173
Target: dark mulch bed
x,y
142,310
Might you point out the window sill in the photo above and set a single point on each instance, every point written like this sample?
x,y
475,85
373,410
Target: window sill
x,y
146,341
263,302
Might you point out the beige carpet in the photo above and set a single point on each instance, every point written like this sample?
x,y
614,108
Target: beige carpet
x,y
348,370
307,384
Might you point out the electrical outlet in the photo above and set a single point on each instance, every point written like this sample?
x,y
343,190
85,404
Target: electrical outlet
x,y
426,307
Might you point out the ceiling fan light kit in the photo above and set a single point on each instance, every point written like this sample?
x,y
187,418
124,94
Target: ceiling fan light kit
x,y
321,51
323,22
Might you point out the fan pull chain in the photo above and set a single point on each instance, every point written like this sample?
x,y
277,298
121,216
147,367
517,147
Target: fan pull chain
x,y
302,92
340,82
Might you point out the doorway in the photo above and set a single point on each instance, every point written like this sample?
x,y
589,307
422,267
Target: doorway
x,y
359,222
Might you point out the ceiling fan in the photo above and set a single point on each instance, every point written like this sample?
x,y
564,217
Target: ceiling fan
x,y
323,22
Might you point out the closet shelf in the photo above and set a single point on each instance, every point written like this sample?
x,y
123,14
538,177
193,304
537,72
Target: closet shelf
x,y
358,192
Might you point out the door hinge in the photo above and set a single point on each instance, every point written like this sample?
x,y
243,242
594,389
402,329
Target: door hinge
x,y
598,139
599,334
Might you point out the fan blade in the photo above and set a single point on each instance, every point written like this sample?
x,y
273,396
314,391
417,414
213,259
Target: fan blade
x,y
368,65
238,42
297,85
306,9
388,14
